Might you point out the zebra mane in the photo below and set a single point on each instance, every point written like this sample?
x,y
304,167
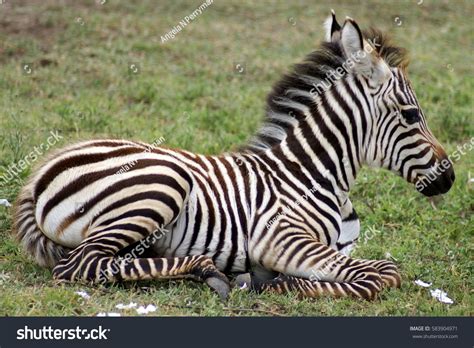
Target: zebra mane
x,y
288,100
394,56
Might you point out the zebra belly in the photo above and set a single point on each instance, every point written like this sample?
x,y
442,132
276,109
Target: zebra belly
x,y
189,236
176,240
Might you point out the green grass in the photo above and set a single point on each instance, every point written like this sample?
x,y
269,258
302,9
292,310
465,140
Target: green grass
x,y
188,91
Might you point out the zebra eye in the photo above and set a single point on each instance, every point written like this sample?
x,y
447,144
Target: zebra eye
x,y
411,115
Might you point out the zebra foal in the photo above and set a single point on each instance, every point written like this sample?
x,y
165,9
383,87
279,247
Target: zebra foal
x,y
279,208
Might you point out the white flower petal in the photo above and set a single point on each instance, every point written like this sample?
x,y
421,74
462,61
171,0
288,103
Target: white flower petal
x,y
127,306
5,202
83,294
145,310
441,296
422,283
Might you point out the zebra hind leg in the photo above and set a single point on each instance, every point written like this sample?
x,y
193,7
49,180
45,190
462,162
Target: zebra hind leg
x,y
95,261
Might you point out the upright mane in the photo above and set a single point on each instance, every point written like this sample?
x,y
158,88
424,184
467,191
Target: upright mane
x,y
292,92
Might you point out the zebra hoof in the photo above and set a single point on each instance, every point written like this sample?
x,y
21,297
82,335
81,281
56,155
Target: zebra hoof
x,y
243,281
220,286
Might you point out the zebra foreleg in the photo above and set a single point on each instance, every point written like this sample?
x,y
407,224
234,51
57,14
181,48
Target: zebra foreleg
x,y
366,288
387,270
313,268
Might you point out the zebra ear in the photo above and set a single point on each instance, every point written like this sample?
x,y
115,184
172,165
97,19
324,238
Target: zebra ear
x,y
362,57
351,38
332,28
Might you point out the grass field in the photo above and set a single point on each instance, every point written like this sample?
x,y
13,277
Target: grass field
x,y
89,70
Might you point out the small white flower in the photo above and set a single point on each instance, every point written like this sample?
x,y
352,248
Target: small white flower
x,y
145,310
441,296
83,294
4,277
422,283
5,202
127,306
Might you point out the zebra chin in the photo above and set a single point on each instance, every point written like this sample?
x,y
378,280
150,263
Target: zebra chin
x,y
435,184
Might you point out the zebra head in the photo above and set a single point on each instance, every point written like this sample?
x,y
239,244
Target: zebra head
x,y
398,137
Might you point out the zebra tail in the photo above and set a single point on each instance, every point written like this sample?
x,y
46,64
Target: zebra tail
x,y
44,251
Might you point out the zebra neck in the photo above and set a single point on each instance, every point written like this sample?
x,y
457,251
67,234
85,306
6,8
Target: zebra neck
x,y
312,165
326,151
